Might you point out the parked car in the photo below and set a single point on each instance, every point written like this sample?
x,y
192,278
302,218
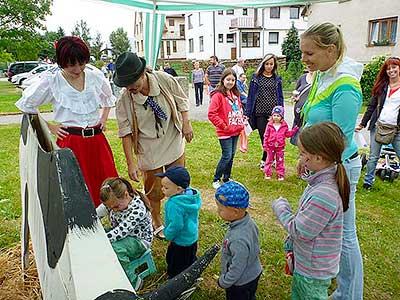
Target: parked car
x,y
33,79
19,78
21,67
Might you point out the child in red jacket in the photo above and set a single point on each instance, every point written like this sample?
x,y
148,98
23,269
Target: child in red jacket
x,y
225,113
275,135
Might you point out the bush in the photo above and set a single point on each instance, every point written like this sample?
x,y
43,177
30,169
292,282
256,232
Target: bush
x,y
295,70
286,78
369,75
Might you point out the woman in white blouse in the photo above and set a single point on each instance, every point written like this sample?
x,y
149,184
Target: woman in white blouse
x,y
76,91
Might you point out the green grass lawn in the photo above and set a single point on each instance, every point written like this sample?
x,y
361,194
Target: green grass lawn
x,y
377,214
9,94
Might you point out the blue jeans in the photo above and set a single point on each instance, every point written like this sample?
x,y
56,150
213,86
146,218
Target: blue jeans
x,y
224,167
375,153
350,276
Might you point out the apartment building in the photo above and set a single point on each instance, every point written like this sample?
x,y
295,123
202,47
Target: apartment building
x,y
172,45
370,27
247,32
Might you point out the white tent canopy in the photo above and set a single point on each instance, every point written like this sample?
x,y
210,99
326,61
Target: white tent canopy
x,y
155,10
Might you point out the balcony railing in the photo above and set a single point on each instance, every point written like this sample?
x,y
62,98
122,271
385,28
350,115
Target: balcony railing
x,y
244,22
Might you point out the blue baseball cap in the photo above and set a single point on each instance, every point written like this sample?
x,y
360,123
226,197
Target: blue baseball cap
x,y
236,195
178,175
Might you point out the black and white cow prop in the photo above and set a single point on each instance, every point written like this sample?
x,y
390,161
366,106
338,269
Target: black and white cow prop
x,y
74,258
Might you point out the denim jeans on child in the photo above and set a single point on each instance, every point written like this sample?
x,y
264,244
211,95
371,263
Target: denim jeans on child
x,y
374,154
350,276
224,167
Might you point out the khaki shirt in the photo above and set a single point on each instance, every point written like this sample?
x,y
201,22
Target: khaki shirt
x,y
155,148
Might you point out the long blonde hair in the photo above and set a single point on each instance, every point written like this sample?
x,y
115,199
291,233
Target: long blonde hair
x,y
326,34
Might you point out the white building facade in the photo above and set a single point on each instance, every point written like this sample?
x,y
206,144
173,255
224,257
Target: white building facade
x,y
247,32
370,27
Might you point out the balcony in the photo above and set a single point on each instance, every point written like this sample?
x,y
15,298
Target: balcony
x,y
244,22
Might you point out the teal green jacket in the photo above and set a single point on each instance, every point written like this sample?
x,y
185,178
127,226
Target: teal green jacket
x,y
182,217
335,96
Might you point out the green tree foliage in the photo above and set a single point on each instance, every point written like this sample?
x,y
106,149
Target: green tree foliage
x,y
291,45
60,32
119,41
5,56
47,48
369,75
97,46
295,70
82,30
19,22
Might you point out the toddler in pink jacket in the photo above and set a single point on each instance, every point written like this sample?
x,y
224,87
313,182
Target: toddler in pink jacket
x,y
275,135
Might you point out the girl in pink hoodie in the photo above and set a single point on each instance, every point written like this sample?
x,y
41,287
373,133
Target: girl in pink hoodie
x,y
275,135
226,114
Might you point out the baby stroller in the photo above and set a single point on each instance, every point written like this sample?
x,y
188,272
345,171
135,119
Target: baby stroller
x,y
388,168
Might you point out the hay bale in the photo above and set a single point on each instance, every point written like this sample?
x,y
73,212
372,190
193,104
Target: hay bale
x,y
13,284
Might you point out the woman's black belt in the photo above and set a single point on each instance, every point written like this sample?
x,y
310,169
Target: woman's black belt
x,y
84,132
354,155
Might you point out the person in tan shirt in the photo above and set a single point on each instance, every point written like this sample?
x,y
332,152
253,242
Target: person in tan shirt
x,y
153,122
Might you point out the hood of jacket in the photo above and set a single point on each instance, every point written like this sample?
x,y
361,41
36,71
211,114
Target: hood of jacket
x,y
350,67
190,200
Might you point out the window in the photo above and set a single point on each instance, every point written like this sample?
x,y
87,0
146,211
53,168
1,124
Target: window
x,y
220,12
168,47
190,21
273,38
141,45
250,39
200,21
230,12
230,37
275,12
162,50
191,46
220,38
244,11
382,32
201,44
182,30
171,22
294,12
174,46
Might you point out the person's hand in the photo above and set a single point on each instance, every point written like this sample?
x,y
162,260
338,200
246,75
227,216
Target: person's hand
x,y
358,128
58,130
102,124
133,172
207,90
187,131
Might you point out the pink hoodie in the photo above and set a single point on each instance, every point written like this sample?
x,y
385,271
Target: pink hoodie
x,y
275,139
227,122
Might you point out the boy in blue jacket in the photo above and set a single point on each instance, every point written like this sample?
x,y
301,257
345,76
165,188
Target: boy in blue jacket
x,y
181,219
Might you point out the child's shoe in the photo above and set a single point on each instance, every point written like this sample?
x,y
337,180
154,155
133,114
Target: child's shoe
x,y
267,177
262,165
281,178
216,184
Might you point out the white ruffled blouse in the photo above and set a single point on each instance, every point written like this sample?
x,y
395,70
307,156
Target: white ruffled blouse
x,y
71,107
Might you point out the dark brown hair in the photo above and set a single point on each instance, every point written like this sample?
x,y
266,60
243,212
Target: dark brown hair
x,y
221,88
328,140
71,50
265,59
115,187
382,79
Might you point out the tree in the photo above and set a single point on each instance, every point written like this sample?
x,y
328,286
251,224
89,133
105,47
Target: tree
x,y
5,56
96,46
82,30
60,32
19,22
47,48
291,45
119,41
369,75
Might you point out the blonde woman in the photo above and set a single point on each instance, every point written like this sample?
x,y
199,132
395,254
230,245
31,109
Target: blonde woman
x,y
335,96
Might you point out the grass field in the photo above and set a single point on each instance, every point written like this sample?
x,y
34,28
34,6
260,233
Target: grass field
x,y
377,214
9,94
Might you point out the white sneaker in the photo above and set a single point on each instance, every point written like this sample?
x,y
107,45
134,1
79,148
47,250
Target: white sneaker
x,y
281,178
267,177
216,184
262,164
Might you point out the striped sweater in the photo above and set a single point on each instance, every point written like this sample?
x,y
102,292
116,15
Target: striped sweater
x,y
316,229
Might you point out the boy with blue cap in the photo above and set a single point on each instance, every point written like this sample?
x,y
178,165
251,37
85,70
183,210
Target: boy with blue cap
x,y
181,219
241,266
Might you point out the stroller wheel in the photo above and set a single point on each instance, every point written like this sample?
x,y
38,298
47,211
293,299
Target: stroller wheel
x,y
364,160
382,174
396,174
392,176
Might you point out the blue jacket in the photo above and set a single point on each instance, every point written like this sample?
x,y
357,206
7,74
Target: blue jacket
x,y
182,217
252,96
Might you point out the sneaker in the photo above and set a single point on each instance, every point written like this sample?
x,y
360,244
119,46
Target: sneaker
x,y
367,186
281,178
216,184
267,177
262,164
226,180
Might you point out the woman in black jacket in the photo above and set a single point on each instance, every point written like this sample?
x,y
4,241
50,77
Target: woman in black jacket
x,y
384,107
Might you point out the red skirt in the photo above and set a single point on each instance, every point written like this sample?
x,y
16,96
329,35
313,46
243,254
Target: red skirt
x,y
95,159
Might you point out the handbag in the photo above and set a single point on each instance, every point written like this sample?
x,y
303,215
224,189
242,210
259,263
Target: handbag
x,y
385,133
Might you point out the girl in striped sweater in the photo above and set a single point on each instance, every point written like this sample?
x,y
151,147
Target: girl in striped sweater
x,y
315,230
